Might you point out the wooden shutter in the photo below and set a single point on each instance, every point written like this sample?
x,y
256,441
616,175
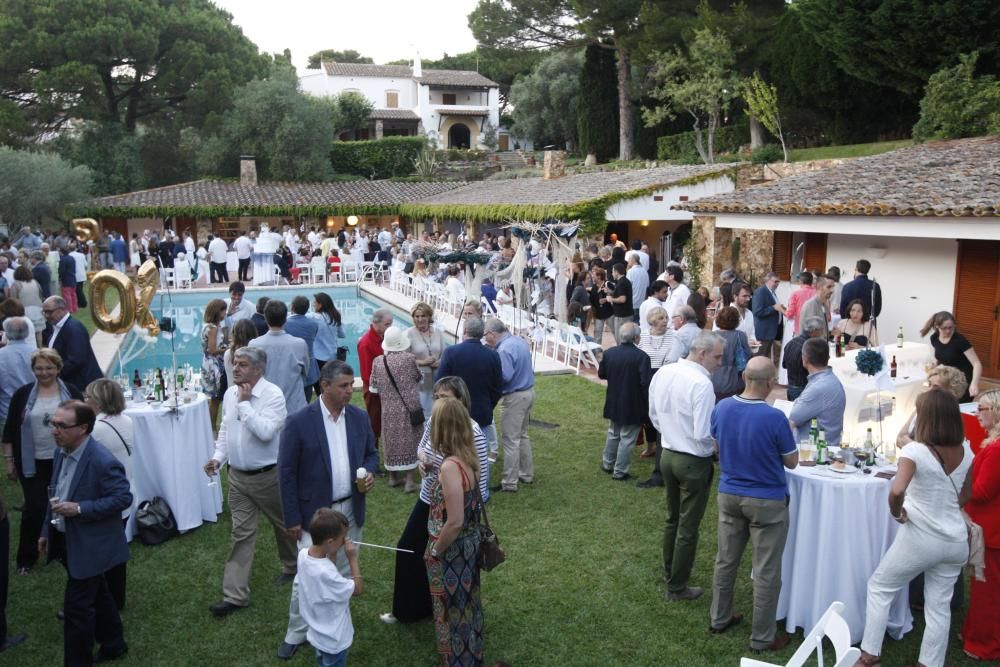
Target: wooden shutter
x,y
391,99
781,252
977,300
815,253
448,98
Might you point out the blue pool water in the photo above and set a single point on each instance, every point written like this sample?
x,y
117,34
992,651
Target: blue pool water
x,y
188,308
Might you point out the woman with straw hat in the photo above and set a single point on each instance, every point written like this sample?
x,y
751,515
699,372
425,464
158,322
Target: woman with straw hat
x,y
396,379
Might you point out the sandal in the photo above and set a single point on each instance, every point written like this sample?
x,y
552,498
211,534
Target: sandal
x,y
24,571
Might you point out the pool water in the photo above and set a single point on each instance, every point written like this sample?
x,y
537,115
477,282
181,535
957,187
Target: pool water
x,y
188,308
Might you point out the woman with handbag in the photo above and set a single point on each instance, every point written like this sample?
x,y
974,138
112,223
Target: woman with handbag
x,y
727,379
331,330
452,554
411,596
927,493
981,632
426,344
113,429
396,379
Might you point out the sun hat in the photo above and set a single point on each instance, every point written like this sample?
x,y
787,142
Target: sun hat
x,y
395,340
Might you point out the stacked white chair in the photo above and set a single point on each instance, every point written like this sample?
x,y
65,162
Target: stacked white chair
x,y
305,272
182,274
317,273
831,625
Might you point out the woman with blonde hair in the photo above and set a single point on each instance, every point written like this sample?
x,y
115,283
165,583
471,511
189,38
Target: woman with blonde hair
x,y
426,344
981,632
953,349
945,378
213,348
453,544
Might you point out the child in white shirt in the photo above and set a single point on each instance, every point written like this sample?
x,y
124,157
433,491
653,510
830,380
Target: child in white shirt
x,y
324,594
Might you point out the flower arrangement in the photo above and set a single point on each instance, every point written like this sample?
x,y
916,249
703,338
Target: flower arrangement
x,y
869,362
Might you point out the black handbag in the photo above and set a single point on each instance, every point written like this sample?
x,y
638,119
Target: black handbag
x,y
491,553
342,353
154,522
416,414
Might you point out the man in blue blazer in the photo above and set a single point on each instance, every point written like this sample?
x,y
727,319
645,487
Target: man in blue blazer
x,y
480,368
70,339
768,315
91,492
322,448
300,326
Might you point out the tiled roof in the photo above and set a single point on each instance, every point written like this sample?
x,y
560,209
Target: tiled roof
x,y
430,77
943,178
571,189
450,111
393,114
197,197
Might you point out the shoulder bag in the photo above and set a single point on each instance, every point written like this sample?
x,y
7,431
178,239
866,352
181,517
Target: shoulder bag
x,y
976,563
491,553
124,444
417,414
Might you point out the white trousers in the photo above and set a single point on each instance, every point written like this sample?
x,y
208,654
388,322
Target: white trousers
x,y
913,552
297,626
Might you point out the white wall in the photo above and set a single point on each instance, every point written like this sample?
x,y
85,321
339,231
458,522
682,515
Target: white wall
x,y
917,276
645,208
372,87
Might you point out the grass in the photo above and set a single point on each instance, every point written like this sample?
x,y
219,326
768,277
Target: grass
x,y
846,151
581,586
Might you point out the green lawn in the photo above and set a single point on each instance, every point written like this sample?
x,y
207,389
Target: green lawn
x,y
846,151
582,584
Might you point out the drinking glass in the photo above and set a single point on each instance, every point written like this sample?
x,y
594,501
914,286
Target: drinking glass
x,y
806,451
56,519
216,478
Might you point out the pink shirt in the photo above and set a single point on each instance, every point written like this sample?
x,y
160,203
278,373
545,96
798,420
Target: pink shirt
x,y
795,302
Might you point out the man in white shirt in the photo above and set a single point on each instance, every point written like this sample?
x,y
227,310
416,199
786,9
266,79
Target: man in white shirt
x,y
640,281
384,239
244,254
679,292
81,275
741,301
681,399
657,298
362,242
253,414
237,308
217,251
642,254
189,247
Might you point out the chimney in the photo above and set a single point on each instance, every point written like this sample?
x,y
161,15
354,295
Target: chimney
x,y
248,170
418,68
555,165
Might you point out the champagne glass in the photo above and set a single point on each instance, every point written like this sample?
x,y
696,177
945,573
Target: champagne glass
x,y
56,519
216,478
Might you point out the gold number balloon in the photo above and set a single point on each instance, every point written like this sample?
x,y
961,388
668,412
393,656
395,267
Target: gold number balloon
x,y
133,301
86,229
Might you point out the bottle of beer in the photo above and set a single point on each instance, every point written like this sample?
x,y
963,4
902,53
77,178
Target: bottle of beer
x,y
813,433
892,368
840,346
822,456
869,448
136,380
899,338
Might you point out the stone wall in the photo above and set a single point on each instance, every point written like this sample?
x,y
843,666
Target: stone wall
x,y
749,251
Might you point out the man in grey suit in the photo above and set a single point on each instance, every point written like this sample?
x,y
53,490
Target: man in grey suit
x,y
287,356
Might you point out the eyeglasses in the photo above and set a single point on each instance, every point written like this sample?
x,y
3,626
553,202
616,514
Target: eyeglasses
x,y
985,408
60,426
49,311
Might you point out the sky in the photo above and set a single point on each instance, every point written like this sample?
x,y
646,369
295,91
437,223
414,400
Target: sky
x,y
381,29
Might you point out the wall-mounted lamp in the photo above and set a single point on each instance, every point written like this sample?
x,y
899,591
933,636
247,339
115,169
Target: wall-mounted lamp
x,y
352,220
878,251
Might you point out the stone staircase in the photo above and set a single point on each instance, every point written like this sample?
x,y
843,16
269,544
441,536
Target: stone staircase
x,y
514,160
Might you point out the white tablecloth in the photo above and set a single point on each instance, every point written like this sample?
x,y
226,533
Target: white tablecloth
x,y
232,261
170,450
839,529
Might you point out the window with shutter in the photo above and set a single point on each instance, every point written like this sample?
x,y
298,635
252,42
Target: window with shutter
x,y
448,98
977,300
815,252
391,99
782,255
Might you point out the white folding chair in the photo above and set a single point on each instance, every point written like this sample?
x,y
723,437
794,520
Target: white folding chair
x,y
317,273
278,278
580,347
831,625
305,272
166,277
182,274
349,271
488,310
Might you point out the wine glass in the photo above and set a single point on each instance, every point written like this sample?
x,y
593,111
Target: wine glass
x,y
56,519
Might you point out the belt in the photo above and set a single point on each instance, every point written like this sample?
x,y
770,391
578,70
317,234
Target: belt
x,y
255,472
342,500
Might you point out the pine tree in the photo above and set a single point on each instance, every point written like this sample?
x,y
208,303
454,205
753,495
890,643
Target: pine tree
x,y
597,111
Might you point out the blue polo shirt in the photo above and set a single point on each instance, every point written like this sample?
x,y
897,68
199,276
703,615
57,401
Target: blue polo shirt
x,y
752,438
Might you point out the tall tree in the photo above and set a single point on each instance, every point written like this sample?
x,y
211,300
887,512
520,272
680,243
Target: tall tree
x,y
120,61
545,101
959,104
700,81
541,24
902,42
596,119
37,186
335,56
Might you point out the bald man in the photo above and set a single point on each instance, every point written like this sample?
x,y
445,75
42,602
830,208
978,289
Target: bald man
x,y
756,445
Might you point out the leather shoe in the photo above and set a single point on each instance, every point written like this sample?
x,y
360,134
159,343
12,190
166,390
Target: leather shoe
x,y
500,488
223,608
61,615
286,650
284,578
780,642
623,478
735,619
108,656
650,484
689,593
12,641
607,470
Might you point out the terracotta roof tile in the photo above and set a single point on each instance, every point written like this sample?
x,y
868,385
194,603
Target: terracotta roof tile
x,y
431,77
393,114
944,178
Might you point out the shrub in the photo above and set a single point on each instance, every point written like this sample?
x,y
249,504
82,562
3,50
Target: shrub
x,y
680,147
767,154
958,104
381,158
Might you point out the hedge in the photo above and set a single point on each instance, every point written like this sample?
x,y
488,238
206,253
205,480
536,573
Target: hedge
x,y
681,147
381,158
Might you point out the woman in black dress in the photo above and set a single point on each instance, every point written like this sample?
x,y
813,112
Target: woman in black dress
x,y
953,349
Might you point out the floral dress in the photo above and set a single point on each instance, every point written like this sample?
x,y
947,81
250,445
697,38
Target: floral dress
x,y
454,581
399,437
213,369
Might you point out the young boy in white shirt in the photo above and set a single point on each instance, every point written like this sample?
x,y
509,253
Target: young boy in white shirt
x,y
324,594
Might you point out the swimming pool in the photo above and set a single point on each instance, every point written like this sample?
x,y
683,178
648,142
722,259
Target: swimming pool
x,y
187,308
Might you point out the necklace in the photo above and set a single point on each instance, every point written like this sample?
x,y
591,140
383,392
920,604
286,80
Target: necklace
x,y
427,342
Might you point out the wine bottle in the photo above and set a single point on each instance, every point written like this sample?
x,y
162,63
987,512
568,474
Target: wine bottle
x,y
899,338
136,380
892,368
822,456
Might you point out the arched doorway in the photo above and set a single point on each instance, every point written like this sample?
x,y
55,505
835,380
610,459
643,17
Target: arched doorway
x,y
459,136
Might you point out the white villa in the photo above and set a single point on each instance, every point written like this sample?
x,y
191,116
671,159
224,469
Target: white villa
x,y
453,106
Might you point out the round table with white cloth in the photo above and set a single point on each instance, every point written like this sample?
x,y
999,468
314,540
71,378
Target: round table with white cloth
x,y
170,449
838,530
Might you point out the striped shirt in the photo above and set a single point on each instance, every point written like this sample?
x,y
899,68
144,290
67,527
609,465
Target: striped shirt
x,y
432,462
657,347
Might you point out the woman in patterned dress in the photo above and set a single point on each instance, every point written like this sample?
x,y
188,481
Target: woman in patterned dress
x,y
426,344
452,555
213,348
399,437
